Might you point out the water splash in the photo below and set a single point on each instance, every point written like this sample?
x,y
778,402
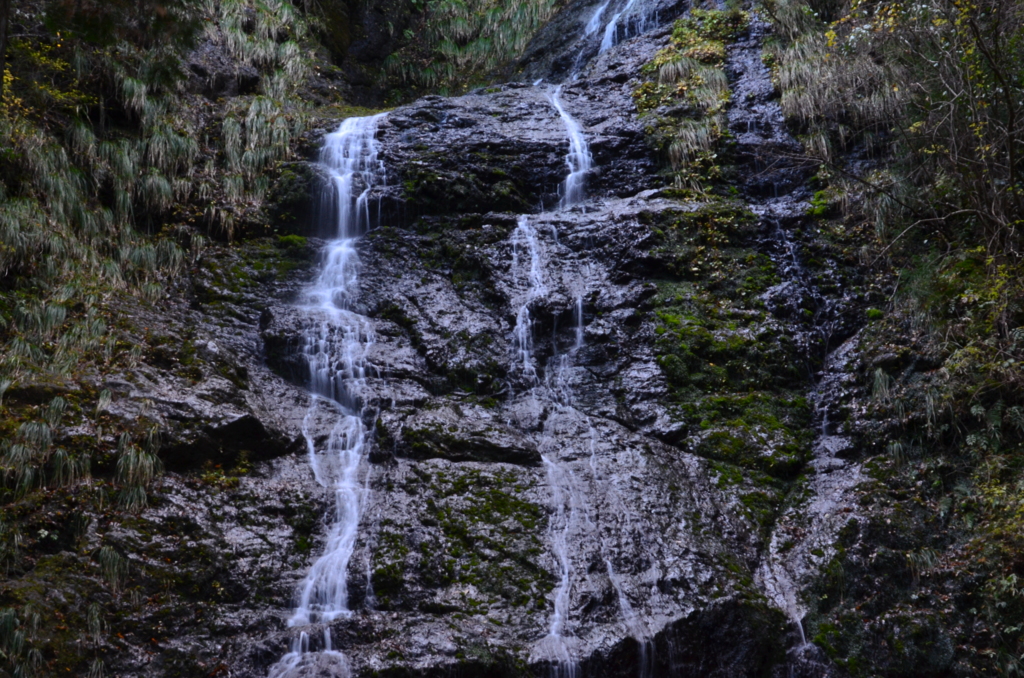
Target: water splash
x,y
336,345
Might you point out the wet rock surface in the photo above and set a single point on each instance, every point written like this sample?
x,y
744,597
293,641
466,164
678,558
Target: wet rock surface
x,y
553,57
503,150
215,556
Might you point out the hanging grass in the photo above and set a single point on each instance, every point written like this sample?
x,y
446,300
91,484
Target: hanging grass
x,y
135,95
819,90
86,197
137,467
687,91
69,469
461,41
113,567
170,152
17,656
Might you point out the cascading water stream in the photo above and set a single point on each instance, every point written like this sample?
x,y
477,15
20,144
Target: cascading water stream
x,y
638,15
528,255
570,512
525,243
594,25
565,665
557,386
579,160
336,344
804,534
612,29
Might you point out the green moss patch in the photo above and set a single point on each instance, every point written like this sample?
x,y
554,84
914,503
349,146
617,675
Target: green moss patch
x,y
484,540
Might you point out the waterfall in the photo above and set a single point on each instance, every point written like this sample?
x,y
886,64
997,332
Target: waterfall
x,y
528,256
525,238
611,30
594,25
578,160
555,643
336,344
564,491
556,647
570,513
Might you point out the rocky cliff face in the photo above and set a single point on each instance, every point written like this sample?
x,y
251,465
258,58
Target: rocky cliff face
x,y
634,464
654,488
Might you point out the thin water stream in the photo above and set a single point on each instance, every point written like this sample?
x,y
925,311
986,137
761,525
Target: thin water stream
x,y
568,501
529,258
579,160
611,31
557,645
336,344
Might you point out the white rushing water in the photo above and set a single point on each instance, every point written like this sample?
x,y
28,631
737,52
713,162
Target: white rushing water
x,y
526,244
556,645
336,345
578,160
611,30
634,9
594,25
529,256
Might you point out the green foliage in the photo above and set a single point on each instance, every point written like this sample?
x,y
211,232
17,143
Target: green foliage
x,y
459,41
46,80
101,148
933,90
844,71
108,22
114,171
688,77
820,205
18,657
291,242
703,34
951,459
25,456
